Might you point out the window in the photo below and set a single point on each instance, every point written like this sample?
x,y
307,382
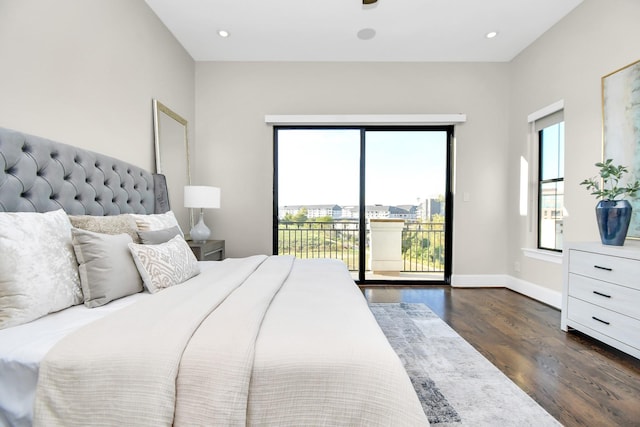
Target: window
x,y
551,183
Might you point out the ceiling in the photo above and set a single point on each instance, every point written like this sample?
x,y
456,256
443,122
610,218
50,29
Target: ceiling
x,y
326,30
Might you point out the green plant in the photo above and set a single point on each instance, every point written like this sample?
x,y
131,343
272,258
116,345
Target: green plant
x,y
610,176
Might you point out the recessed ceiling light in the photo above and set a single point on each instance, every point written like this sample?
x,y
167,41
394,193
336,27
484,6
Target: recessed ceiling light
x,y
223,33
491,34
366,34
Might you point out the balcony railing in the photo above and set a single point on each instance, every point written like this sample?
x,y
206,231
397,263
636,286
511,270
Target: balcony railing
x,y
339,240
422,243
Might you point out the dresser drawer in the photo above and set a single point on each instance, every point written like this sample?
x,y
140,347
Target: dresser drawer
x,y
614,325
607,295
622,271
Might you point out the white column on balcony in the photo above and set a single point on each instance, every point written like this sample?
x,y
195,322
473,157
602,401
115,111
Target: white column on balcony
x,y
385,245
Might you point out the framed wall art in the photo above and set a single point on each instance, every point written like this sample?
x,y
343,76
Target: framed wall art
x,y
621,127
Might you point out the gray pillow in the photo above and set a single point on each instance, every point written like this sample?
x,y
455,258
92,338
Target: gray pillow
x,y
106,268
155,237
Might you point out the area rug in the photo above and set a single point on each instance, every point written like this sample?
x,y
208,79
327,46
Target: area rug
x,y
456,385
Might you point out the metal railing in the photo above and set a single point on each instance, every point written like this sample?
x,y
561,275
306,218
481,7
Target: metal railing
x,y
339,240
423,247
422,243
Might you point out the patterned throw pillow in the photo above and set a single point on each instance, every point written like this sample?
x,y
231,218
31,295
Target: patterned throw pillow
x,y
38,269
164,265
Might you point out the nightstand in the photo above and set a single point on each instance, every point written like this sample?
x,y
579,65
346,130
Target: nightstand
x,y
210,250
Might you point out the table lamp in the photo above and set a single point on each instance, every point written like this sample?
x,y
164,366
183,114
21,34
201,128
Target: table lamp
x,y
201,197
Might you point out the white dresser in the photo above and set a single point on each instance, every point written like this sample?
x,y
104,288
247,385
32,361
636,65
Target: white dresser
x,y
601,295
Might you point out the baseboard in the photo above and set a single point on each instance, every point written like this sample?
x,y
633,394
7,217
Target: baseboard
x,y
537,292
479,280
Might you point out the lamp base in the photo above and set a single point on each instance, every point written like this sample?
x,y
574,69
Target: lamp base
x,y
200,232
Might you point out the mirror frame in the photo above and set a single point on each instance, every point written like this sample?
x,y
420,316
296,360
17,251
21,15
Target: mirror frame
x,y
160,110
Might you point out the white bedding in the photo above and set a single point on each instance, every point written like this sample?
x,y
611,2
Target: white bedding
x,y
23,347
319,357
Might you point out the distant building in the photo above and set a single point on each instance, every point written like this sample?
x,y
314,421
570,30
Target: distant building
x,y
385,211
412,210
313,211
350,212
430,207
423,211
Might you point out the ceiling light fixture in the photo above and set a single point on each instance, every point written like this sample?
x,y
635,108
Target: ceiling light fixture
x,y
369,4
491,34
223,33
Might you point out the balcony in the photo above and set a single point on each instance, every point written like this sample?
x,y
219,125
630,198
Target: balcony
x,y
421,245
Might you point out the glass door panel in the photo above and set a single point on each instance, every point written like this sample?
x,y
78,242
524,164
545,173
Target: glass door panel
x,y
317,189
405,188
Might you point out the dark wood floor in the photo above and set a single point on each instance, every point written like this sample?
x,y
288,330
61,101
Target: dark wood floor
x,y
578,380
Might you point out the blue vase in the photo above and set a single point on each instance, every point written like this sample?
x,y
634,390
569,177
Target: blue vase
x,y
613,218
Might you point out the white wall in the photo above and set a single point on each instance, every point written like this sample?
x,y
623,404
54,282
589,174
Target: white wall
x,y
84,72
567,62
235,146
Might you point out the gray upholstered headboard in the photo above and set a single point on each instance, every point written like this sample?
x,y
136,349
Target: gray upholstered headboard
x,y
40,175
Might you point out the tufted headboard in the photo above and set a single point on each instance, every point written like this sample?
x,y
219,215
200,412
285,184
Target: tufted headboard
x,y
40,175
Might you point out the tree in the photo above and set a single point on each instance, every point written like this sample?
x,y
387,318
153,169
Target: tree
x,y
325,218
287,217
437,218
301,215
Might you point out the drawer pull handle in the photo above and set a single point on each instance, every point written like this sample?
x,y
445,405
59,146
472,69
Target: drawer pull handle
x,y
600,320
603,268
601,294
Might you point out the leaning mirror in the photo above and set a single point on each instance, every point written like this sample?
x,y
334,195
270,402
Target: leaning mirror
x,y
172,158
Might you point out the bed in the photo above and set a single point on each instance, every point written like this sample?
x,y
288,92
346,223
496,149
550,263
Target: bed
x,y
106,317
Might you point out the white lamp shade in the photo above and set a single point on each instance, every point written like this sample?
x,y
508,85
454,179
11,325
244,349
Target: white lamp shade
x,y
201,196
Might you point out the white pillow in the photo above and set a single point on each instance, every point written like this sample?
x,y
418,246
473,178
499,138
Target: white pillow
x,y
154,222
38,269
164,265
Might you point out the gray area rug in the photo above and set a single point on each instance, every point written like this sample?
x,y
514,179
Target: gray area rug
x,y
455,383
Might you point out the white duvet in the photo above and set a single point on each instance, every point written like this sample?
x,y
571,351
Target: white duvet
x,y
23,347
256,341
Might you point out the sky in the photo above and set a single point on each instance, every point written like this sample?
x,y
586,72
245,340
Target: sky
x,y
321,166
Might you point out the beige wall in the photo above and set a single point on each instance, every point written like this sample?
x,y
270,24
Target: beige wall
x,y
235,146
84,72
567,62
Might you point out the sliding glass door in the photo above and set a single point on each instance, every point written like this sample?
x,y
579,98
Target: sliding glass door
x,y
376,198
